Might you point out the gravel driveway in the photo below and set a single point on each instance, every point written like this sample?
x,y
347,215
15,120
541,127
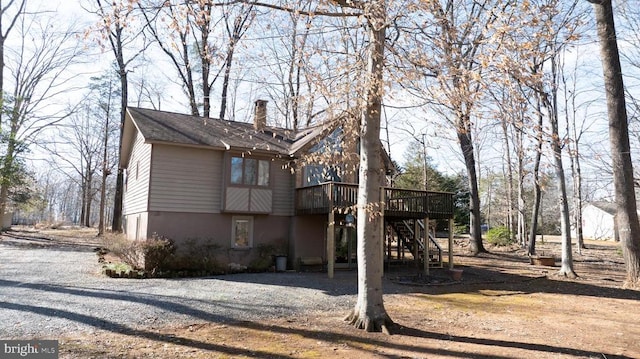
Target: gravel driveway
x,y
52,290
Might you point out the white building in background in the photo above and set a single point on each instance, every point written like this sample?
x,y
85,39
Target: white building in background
x,y
598,221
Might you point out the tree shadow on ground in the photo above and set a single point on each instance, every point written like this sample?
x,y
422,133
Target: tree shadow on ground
x,y
367,340
18,240
475,278
540,348
479,278
169,304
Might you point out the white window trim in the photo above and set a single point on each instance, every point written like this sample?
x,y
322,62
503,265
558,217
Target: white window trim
x,y
234,219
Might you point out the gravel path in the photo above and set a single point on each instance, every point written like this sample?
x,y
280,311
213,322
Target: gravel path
x,y
51,290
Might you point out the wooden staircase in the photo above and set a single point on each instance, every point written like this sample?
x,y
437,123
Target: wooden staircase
x,y
404,231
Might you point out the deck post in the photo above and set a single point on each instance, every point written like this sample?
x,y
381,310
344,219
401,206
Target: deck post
x,y
416,245
331,244
450,243
426,246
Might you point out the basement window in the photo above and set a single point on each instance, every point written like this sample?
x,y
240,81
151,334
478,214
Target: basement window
x,y
242,232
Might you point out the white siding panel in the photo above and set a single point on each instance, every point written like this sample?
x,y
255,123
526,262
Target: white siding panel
x,y
261,200
597,224
283,189
186,179
237,199
136,192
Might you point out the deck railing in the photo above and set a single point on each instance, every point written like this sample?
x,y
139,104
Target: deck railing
x,y
330,196
325,197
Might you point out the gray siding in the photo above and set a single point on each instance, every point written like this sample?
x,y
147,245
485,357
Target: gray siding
x,y
186,180
283,185
137,190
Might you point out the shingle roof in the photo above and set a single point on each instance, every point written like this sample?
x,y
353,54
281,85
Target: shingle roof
x,y
187,130
169,127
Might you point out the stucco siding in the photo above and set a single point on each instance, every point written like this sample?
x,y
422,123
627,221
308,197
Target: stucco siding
x,y
216,229
309,236
136,193
185,179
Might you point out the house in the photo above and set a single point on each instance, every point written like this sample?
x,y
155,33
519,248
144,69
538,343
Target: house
x,y
243,186
598,220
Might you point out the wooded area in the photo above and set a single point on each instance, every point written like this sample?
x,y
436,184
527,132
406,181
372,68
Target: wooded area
x,y
511,91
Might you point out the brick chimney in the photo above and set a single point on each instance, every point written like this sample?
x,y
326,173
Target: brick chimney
x,y
260,116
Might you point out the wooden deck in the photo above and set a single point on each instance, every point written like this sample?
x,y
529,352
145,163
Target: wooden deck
x,y
413,204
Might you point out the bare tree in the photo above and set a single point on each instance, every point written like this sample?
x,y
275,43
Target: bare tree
x,y
115,27
236,25
369,312
78,155
9,14
37,64
186,34
103,92
452,46
170,25
627,216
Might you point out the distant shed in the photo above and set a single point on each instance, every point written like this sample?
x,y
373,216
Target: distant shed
x,y
599,221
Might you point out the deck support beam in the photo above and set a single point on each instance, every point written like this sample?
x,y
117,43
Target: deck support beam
x,y
427,241
450,243
331,244
416,244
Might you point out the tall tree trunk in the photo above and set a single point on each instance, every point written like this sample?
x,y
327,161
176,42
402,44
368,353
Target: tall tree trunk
x,y
8,169
225,80
509,179
83,204
627,216
466,144
566,267
521,202
190,85
5,29
88,200
117,47
577,198
521,222
204,16
235,33
537,197
103,188
369,312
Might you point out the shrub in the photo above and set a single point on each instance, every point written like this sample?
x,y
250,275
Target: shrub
x,y
156,251
264,261
150,254
198,256
499,236
460,229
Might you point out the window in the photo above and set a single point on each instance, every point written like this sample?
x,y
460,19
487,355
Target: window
x,y
242,232
249,171
316,174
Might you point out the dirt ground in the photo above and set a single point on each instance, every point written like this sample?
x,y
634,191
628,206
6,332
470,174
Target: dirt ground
x,y
503,307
